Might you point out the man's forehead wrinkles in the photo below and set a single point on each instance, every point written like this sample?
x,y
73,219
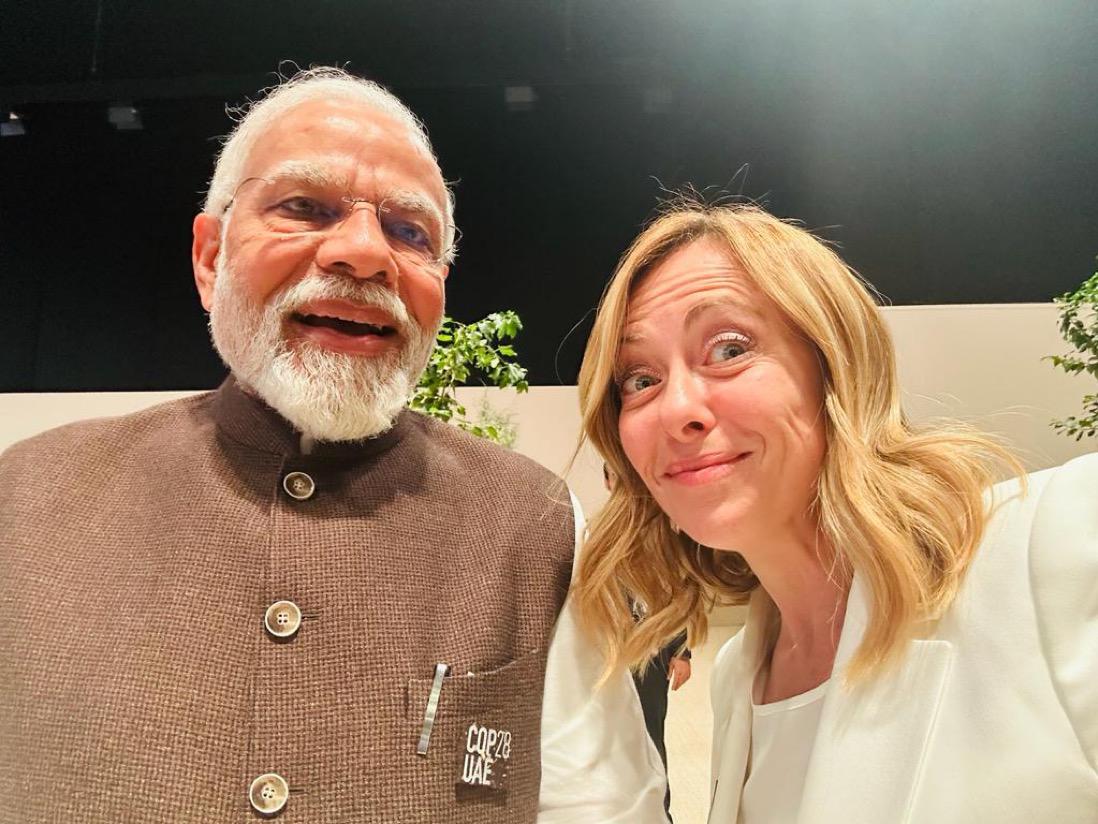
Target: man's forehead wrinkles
x,y
374,154
310,171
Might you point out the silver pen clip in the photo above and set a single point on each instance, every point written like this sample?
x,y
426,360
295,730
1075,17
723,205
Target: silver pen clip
x,y
432,708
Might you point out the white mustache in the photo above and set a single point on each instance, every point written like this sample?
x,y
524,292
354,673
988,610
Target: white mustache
x,y
361,292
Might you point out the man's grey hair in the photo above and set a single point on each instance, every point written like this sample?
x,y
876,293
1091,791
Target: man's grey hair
x,y
319,83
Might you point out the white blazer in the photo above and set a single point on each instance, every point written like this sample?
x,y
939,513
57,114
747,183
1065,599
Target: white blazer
x,y
992,717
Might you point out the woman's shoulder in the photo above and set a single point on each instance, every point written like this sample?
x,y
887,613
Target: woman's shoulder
x,y
1077,478
1056,513
1046,531
1063,572
1052,516
1063,542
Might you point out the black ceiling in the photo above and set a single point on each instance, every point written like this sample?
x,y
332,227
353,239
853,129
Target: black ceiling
x,y
948,147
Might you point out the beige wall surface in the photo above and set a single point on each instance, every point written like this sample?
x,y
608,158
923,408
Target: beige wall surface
x,y
979,362
983,363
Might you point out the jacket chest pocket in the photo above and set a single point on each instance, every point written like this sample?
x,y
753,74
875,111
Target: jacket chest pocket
x,y
484,741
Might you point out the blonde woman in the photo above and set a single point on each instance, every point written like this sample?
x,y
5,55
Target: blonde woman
x,y
917,649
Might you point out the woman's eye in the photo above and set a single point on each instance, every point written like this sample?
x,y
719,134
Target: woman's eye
x,y
728,349
637,382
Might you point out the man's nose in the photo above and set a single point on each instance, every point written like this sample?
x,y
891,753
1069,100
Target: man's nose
x,y
685,412
356,246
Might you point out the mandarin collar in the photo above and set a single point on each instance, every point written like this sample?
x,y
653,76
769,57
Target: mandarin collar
x,y
248,421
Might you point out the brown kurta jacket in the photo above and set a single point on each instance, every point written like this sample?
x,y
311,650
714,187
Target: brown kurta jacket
x,y
138,556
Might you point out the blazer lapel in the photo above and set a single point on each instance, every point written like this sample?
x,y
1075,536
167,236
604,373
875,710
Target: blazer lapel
x,y
732,727
870,746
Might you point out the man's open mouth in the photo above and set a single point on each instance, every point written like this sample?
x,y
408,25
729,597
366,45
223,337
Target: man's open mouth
x,y
343,326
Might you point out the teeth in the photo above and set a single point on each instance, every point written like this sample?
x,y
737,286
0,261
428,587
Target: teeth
x,y
348,320
348,326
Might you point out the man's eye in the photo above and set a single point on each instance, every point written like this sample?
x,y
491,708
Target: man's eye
x,y
305,208
406,232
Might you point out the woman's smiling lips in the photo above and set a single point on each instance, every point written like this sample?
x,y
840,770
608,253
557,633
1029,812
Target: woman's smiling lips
x,y
705,468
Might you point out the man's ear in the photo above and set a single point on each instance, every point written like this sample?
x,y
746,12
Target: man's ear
x,y
445,272
204,251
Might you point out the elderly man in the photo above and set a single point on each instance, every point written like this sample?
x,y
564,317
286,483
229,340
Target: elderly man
x,y
290,596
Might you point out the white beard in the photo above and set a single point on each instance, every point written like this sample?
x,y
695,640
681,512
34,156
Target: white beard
x,y
327,395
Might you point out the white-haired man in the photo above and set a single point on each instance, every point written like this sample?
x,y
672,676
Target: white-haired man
x,y
291,596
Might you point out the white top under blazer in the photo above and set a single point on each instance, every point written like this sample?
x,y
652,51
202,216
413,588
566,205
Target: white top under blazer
x,y
992,715
782,735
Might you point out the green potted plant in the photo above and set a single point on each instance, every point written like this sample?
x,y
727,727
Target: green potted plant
x,y
466,351
1079,327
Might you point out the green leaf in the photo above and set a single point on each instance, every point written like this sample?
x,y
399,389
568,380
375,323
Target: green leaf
x,y
468,352
1079,327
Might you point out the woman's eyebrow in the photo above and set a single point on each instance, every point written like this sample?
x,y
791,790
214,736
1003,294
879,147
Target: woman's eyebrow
x,y
695,312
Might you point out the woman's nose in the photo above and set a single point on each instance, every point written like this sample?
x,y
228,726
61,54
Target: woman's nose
x,y
684,406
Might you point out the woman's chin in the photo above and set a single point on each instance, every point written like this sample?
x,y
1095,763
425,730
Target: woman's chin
x,y
727,533
718,539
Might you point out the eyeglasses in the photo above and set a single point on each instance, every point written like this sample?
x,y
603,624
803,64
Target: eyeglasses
x,y
409,222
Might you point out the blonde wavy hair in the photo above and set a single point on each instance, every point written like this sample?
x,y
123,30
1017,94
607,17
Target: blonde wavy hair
x,y
902,506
